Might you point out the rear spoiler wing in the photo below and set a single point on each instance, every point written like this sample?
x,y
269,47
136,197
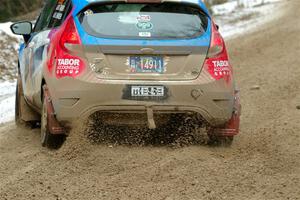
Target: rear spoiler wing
x,y
81,4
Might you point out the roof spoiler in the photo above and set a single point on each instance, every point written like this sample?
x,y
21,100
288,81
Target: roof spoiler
x,y
81,4
143,1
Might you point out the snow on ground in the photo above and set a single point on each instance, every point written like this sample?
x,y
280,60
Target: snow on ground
x,y
234,5
5,27
8,70
237,17
234,19
7,101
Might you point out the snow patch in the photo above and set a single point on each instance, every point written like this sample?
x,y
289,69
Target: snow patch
x,y
238,17
236,5
5,28
7,88
8,57
9,45
7,101
225,8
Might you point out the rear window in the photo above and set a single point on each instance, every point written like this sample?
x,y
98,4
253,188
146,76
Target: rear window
x,y
153,21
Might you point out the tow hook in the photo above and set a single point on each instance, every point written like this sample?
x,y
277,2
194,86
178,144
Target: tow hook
x,y
151,122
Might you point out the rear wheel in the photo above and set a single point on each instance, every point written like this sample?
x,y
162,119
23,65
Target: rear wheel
x,y
216,140
17,106
47,139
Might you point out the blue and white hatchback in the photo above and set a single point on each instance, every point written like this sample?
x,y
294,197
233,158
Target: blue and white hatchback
x,y
145,60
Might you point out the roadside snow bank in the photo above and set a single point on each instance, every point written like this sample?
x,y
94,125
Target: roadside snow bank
x,y
7,101
234,5
5,27
9,45
238,17
8,57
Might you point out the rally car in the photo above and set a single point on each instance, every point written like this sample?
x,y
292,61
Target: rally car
x,y
148,58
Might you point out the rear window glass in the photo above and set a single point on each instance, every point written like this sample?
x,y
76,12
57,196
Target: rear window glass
x,y
163,20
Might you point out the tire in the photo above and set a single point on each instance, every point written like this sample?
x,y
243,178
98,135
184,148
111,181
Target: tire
x,y
47,139
18,119
225,141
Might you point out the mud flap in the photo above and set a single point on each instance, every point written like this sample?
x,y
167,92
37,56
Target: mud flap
x,y
54,126
232,127
25,112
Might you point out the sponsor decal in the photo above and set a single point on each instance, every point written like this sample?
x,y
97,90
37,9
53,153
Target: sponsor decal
x,y
57,15
60,8
145,93
145,26
144,18
68,67
219,68
143,22
144,34
88,12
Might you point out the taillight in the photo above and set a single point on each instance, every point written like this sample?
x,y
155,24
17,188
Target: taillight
x,y
66,62
217,62
217,43
69,34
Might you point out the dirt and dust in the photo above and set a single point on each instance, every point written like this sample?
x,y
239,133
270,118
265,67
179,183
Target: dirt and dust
x,y
263,162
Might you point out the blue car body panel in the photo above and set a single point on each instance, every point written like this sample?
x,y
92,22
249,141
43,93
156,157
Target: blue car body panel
x,y
22,46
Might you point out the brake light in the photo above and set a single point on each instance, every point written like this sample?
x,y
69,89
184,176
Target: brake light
x,y
217,62
65,61
69,34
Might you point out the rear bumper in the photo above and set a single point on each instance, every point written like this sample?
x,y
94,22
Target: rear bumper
x,y
74,98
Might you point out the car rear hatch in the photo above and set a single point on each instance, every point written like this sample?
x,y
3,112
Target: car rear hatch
x,y
144,41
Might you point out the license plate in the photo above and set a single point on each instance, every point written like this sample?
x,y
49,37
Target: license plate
x,y
147,64
147,91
